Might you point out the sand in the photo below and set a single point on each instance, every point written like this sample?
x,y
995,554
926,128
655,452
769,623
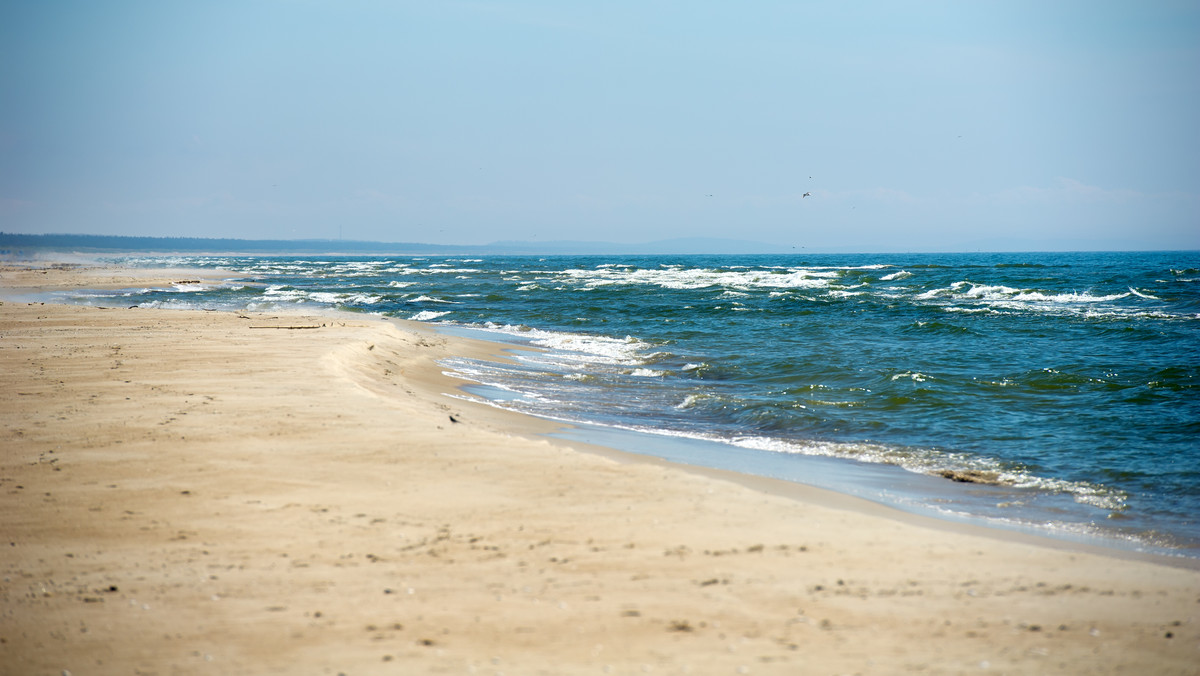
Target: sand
x,y
189,492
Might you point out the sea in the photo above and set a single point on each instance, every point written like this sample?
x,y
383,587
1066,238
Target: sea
x,y
1051,393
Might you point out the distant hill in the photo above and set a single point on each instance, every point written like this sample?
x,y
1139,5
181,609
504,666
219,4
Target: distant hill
x,y
17,244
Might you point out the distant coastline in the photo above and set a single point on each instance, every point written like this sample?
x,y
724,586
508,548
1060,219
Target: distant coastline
x,y
18,244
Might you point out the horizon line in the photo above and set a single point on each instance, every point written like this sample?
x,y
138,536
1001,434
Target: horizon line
x,y
507,247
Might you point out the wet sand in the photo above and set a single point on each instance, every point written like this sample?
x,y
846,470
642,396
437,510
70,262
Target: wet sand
x,y
208,492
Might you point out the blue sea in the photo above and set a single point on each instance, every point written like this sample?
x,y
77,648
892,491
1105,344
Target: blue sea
x,y
1057,393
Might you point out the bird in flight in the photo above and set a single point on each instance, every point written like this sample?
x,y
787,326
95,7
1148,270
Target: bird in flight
x,y
807,194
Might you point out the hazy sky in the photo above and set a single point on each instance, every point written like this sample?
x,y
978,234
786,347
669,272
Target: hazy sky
x,y
915,126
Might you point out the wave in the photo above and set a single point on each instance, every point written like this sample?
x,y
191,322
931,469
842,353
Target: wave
x,y
954,466
992,293
920,327
678,277
966,296
958,467
574,356
581,348
333,298
438,270
279,293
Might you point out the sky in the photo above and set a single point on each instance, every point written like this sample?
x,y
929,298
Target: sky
x,y
916,126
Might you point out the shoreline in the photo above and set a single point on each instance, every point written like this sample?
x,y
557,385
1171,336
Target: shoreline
x,y
575,435
479,345
1099,543
276,499
833,474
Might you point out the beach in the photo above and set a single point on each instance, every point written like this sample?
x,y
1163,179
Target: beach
x,y
252,493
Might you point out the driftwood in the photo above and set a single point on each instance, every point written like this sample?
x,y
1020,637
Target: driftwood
x,y
290,328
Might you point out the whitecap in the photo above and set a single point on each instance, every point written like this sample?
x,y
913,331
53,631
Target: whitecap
x,y
1040,297
579,348
973,310
646,373
678,277
989,292
343,298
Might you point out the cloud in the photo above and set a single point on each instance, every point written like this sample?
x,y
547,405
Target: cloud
x,y
10,205
878,195
1062,190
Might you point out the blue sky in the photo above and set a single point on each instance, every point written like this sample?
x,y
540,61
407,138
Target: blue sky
x,y
922,126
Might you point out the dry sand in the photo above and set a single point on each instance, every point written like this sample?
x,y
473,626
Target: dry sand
x,y
212,493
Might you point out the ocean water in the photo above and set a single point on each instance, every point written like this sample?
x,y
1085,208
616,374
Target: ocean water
x,y
1055,392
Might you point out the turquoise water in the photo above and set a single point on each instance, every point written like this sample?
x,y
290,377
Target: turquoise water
x,y
1065,386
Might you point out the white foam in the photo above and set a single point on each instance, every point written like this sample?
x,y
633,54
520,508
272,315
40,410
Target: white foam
x,y
647,373
1139,294
444,270
579,348
678,277
930,462
1039,297
427,315
973,310
984,291
464,369
281,293
1007,298
343,298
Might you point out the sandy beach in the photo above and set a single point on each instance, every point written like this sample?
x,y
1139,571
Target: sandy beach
x,y
191,492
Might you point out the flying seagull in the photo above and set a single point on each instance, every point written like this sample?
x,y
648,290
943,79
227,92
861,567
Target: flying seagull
x,y
807,194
